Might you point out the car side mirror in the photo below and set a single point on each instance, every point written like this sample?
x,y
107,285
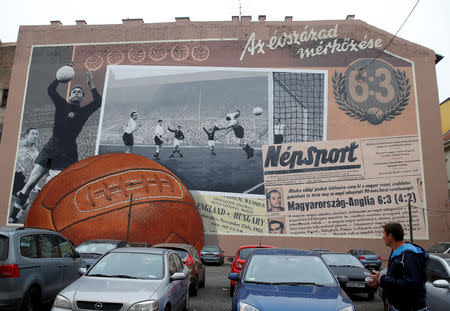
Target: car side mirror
x,y
82,271
234,276
441,284
76,255
230,259
178,276
342,279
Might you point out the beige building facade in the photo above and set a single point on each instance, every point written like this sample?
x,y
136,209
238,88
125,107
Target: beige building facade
x,y
342,123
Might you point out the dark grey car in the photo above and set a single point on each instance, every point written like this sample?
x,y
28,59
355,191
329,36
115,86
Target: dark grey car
x,y
192,260
212,254
368,258
35,265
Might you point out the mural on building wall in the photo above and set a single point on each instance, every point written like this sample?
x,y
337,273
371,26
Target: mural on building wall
x,y
206,109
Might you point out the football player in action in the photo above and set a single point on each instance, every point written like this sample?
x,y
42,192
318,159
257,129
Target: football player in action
x,y
159,132
179,136
232,120
61,149
211,142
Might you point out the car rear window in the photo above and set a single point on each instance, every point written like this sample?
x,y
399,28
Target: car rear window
x,y
366,252
243,253
96,247
439,247
4,247
210,249
181,253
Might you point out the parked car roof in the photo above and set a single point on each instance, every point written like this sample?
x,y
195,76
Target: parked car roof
x,y
284,251
149,250
175,245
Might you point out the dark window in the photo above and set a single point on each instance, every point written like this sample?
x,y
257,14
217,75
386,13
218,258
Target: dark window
x,y
172,265
243,254
182,253
66,248
178,262
195,254
366,252
436,271
4,245
49,246
28,246
4,97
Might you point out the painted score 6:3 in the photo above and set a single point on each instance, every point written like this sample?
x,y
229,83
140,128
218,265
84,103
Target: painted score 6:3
x,y
371,84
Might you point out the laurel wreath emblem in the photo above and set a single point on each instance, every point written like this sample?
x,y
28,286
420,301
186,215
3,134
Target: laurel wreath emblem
x,y
373,115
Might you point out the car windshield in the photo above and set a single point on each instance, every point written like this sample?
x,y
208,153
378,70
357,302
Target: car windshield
x,y
366,252
210,249
341,260
129,265
439,248
96,247
243,253
275,269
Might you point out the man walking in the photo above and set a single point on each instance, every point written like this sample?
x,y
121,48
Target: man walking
x,y
404,282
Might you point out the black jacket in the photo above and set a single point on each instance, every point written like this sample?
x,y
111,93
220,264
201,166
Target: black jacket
x,y
404,283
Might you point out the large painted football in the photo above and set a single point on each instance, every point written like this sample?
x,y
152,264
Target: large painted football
x,y
114,195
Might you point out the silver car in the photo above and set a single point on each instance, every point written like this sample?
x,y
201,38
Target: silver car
x,y
437,285
438,278
131,279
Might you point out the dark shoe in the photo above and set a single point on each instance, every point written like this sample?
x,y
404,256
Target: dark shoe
x,y
181,155
248,150
171,156
250,153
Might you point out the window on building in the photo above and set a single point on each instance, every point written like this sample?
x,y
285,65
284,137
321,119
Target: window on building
x,y
4,97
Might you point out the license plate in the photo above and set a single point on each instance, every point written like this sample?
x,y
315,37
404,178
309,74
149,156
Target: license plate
x,y
356,284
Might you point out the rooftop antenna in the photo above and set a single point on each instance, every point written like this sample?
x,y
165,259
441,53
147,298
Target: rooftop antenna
x,y
240,9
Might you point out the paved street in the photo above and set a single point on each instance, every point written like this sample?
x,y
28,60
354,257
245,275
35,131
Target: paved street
x,y
215,295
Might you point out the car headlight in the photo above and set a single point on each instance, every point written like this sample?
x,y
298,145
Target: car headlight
x,y
148,305
246,307
62,302
347,308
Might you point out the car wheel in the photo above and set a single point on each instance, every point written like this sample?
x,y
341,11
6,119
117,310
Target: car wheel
x,y
193,290
203,282
30,300
186,303
371,295
231,290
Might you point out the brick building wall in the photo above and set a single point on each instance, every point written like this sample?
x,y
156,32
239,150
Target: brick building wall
x,y
7,51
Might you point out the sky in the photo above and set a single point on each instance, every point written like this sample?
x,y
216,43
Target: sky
x,y
428,25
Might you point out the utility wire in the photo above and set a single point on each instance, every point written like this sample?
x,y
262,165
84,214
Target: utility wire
x,y
393,37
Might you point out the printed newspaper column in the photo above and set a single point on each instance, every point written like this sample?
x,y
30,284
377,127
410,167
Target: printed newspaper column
x,y
345,188
231,214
